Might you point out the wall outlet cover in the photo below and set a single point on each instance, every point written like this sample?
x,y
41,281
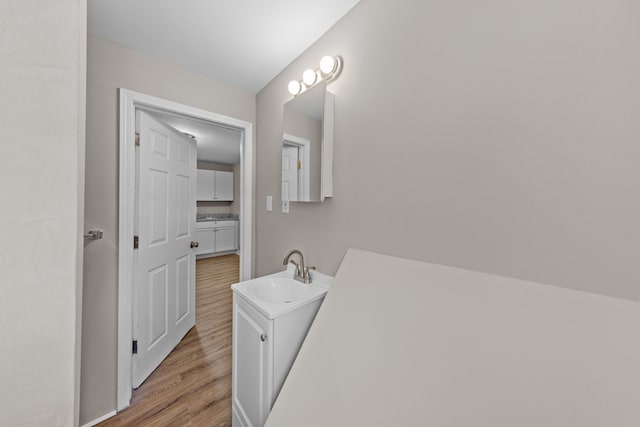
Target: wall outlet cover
x,y
285,206
269,203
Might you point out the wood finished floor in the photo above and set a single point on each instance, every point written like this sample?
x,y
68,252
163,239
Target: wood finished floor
x,y
192,386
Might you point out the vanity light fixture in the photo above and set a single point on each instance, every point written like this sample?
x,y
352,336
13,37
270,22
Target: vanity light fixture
x,y
295,87
328,64
309,77
330,67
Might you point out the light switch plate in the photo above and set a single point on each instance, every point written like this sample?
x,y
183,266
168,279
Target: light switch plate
x,y
269,203
285,206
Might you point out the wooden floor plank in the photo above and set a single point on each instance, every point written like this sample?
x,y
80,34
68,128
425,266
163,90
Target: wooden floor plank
x,y
192,386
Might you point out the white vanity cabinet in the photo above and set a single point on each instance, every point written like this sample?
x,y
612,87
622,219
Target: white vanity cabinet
x,y
252,365
214,186
264,350
216,236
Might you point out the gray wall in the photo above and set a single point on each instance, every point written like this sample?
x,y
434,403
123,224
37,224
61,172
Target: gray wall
x,y
42,116
499,136
110,67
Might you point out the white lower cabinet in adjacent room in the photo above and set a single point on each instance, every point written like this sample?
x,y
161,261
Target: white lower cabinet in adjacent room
x,y
226,238
264,350
206,239
216,236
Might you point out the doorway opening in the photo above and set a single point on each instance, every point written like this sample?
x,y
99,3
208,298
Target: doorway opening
x,y
296,172
130,102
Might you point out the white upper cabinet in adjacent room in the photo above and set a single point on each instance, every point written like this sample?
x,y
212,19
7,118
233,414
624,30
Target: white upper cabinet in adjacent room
x,y
216,186
206,183
224,185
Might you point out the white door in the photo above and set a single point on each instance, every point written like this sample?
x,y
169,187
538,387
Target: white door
x,y
164,278
290,166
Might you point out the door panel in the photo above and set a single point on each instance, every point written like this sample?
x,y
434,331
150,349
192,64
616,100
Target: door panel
x,y
183,215
289,173
164,278
157,303
158,209
159,144
183,290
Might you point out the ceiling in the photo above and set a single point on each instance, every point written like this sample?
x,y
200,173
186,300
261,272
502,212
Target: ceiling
x,y
216,143
243,43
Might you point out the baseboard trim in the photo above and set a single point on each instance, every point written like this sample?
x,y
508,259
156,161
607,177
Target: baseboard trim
x,y
99,420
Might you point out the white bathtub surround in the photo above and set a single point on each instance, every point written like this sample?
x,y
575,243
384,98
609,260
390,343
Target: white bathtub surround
x,y
400,342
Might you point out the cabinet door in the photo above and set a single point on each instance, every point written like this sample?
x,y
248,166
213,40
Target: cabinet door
x,y
252,371
206,241
205,184
226,239
224,186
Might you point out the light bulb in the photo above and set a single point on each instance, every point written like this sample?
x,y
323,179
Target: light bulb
x,y
309,77
328,64
294,87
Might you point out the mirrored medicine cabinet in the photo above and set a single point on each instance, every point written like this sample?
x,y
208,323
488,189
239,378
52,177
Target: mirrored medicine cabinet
x,y
307,146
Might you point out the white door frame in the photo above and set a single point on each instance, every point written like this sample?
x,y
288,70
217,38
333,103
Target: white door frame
x,y
304,145
129,101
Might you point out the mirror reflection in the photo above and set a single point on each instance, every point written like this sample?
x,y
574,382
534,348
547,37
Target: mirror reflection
x,y
305,162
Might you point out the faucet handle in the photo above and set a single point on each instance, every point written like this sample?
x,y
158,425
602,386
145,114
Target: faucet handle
x,y
297,272
307,274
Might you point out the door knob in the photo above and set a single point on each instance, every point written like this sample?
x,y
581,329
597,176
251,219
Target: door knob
x,y
194,245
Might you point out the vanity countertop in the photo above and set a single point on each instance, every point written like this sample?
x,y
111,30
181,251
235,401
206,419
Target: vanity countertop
x,y
278,294
217,217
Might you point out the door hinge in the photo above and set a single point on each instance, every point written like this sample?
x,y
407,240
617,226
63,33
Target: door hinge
x,y
136,242
299,165
134,347
137,139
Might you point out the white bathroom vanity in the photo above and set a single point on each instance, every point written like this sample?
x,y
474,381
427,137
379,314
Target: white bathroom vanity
x,y
271,318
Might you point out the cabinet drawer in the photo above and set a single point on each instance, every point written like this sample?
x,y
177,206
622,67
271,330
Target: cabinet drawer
x,y
200,225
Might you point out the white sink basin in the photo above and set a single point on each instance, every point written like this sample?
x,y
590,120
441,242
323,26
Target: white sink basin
x,y
279,290
279,293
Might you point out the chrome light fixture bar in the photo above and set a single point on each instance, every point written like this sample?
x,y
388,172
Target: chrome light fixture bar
x,y
330,67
